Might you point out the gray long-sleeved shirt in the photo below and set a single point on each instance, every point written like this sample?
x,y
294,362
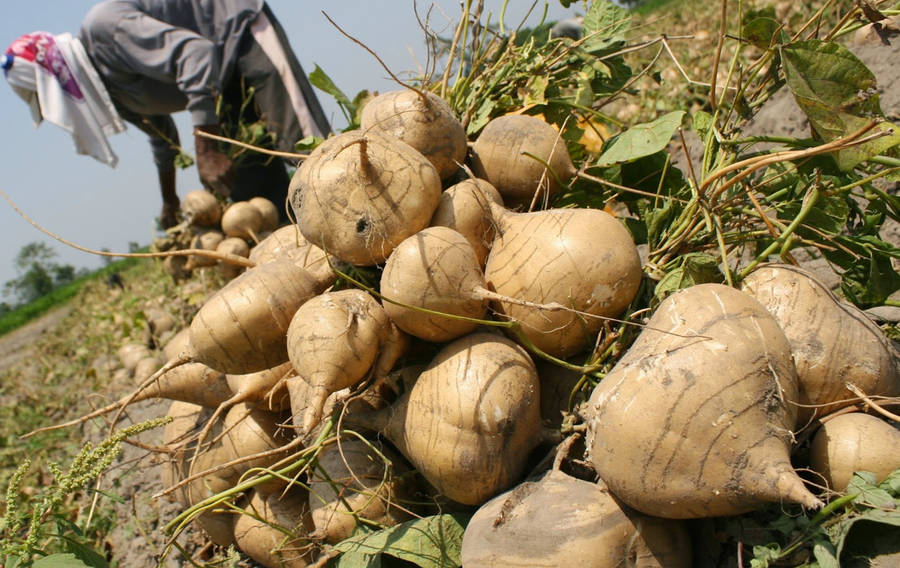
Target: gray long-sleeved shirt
x,y
157,57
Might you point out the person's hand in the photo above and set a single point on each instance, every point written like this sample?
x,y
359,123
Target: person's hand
x,y
214,167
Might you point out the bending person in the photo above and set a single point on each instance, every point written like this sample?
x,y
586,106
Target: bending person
x,y
225,62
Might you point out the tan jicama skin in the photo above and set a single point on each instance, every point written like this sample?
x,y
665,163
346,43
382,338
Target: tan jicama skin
x,y
250,388
177,344
437,270
505,154
833,342
187,419
160,326
336,340
243,220
176,267
351,480
260,531
424,121
258,387
130,353
559,520
464,207
695,420
242,328
470,420
192,382
207,240
236,246
201,208
358,195
268,212
289,242
854,442
248,431
146,367
580,259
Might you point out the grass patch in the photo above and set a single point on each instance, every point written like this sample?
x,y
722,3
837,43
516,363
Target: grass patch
x,y
24,314
651,6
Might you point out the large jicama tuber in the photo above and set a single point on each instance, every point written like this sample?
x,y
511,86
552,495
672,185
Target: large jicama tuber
x,y
273,529
207,240
465,208
359,194
559,520
854,442
233,246
695,420
357,479
243,220
187,419
436,270
833,342
288,242
243,327
582,261
470,420
201,208
523,157
424,121
334,341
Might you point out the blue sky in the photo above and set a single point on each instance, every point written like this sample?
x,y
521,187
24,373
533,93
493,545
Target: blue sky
x,y
98,207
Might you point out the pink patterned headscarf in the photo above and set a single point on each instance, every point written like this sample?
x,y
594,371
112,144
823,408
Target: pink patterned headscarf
x,y
54,75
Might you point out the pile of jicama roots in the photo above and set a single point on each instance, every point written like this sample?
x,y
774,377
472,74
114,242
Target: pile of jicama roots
x,y
440,390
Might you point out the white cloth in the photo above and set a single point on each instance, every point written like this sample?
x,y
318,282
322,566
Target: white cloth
x,y
54,75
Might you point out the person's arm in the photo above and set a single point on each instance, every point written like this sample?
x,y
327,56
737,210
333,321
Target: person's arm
x,y
133,40
168,216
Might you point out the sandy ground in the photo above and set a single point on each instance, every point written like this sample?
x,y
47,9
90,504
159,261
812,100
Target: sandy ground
x,y
14,345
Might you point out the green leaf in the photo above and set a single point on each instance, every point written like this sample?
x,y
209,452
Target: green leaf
x,y
761,32
863,483
319,79
308,143
848,158
605,25
785,524
828,215
62,560
481,116
356,559
891,483
535,89
703,123
764,555
695,268
430,542
869,279
837,93
825,554
86,554
642,139
875,523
